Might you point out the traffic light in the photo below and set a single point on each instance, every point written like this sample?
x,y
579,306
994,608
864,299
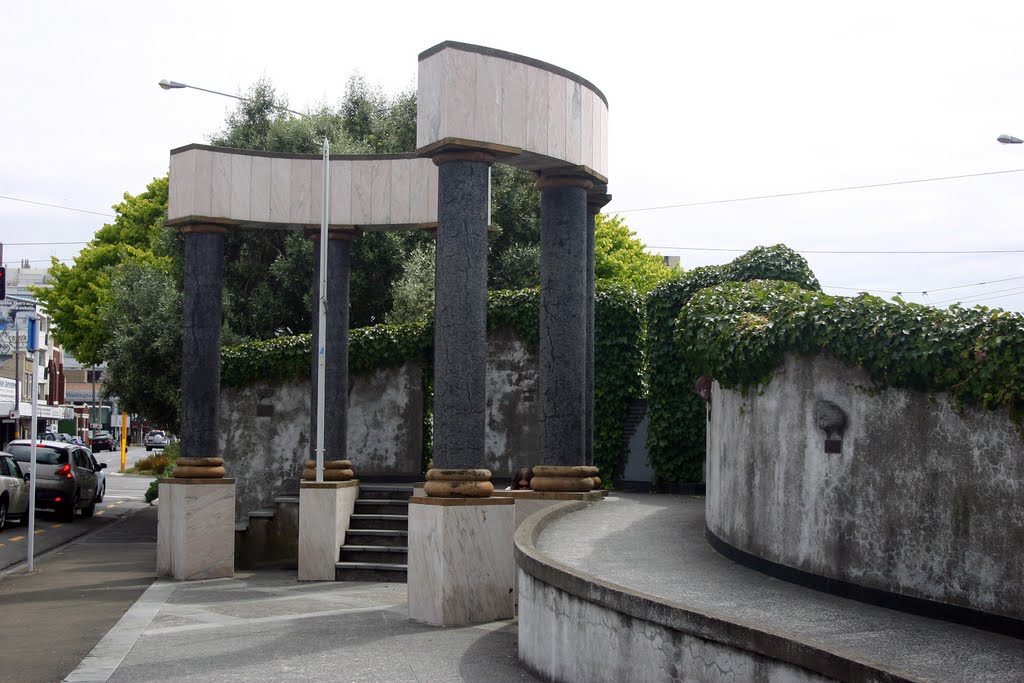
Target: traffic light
x,y
3,283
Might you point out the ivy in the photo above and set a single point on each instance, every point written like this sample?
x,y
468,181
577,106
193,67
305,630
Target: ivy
x,y
677,416
618,329
739,333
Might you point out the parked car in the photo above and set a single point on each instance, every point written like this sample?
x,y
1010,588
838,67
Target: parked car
x,y
13,491
101,477
155,439
102,441
65,476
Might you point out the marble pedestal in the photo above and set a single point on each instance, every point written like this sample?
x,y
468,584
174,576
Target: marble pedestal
x,y
461,560
325,510
195,536
529,501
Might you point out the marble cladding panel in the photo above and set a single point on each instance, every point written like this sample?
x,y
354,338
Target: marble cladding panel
x,y
573,120
429,95
601,144
461,563
341,192
514,100
380,192
301,189
280,189
459,105
202,195
259,194
400,175
316,184
361,189
556,118
241,186
537,96
419,189
432,194
587,123
324,515
182,185
196,531
488,100
220,203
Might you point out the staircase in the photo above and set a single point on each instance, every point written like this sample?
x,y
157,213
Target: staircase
x,y
377,541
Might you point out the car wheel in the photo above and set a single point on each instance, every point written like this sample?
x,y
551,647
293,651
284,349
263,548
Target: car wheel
x,y
89,511
67,513
103,492
3,514
149,448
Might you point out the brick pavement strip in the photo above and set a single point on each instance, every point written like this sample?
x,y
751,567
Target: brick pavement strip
x,y
54,617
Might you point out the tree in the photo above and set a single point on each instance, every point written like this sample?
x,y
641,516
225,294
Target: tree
x,y
620,256
80,291
414,290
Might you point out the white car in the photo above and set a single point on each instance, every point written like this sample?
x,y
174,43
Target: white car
x,y
155,439
13,491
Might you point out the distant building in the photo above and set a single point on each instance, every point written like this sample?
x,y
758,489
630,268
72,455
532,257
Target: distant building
x,y
671,261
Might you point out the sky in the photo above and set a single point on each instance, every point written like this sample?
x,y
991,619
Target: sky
x,y
709,102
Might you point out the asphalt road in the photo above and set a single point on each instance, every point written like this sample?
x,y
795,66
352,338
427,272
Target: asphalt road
x,y
125,494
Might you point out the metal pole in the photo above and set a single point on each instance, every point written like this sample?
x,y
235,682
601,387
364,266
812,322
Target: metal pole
x,y
34,342
124,438
17,377
321,365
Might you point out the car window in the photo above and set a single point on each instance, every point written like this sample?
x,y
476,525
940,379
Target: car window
x,y
12,466
82,459
5,469
45,455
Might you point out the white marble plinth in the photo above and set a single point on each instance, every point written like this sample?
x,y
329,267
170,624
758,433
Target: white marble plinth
x,y
195,536
529,501
325,509
461,560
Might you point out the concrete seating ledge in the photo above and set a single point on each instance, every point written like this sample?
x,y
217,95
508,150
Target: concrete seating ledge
x,y
691,612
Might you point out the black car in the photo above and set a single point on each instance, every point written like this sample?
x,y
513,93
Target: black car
x,y
102,441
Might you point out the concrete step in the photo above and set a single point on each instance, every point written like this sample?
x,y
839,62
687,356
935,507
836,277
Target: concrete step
x,y
394,522
370,571
380,537
266,513
373,553
372,506
385,491
287,500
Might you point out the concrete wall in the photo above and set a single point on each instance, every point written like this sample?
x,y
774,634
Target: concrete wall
x,y
923,500
265,436
512,438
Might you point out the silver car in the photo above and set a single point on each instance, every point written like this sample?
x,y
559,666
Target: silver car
x,y
65,476
13,491
155,439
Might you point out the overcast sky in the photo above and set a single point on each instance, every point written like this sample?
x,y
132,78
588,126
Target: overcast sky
x,y
708,101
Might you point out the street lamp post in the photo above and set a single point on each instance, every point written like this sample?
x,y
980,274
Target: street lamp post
x,y
321,368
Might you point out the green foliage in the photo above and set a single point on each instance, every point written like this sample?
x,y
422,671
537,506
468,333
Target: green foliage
x,y
514,244
621,257
677,416
739,333
81,290
143,320
414,290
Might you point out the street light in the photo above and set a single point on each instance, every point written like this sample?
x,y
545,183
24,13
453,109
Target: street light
x,y
175,85
321,369
1009,140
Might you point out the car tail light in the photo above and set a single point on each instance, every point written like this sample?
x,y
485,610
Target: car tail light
x,y
56,499
64,471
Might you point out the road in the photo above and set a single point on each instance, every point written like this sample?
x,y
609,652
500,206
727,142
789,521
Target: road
x,y
125,493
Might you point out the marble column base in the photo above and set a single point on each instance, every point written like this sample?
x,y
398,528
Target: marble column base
x,y
325,509
461,560
195,536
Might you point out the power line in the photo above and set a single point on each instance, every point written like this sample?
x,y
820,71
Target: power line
x,y
857,252
998,296
56,206
981,295
925,292
822,191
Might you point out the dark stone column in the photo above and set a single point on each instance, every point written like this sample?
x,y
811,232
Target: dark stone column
x,y
563,319
200,350
339,249
460,302
595,201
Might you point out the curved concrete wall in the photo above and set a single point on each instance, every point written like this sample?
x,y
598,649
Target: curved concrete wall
x,y
261,189
924,500
482,97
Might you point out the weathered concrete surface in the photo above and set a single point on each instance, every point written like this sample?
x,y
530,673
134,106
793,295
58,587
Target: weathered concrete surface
x,y
460,327
264,455
513,429
632,591
923,500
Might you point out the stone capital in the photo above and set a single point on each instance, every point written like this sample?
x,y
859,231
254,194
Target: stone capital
x,y
551,182
347,233
597,201
203,228
464,155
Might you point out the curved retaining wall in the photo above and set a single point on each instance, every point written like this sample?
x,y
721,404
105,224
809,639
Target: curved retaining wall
x,y
924,502
573,626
